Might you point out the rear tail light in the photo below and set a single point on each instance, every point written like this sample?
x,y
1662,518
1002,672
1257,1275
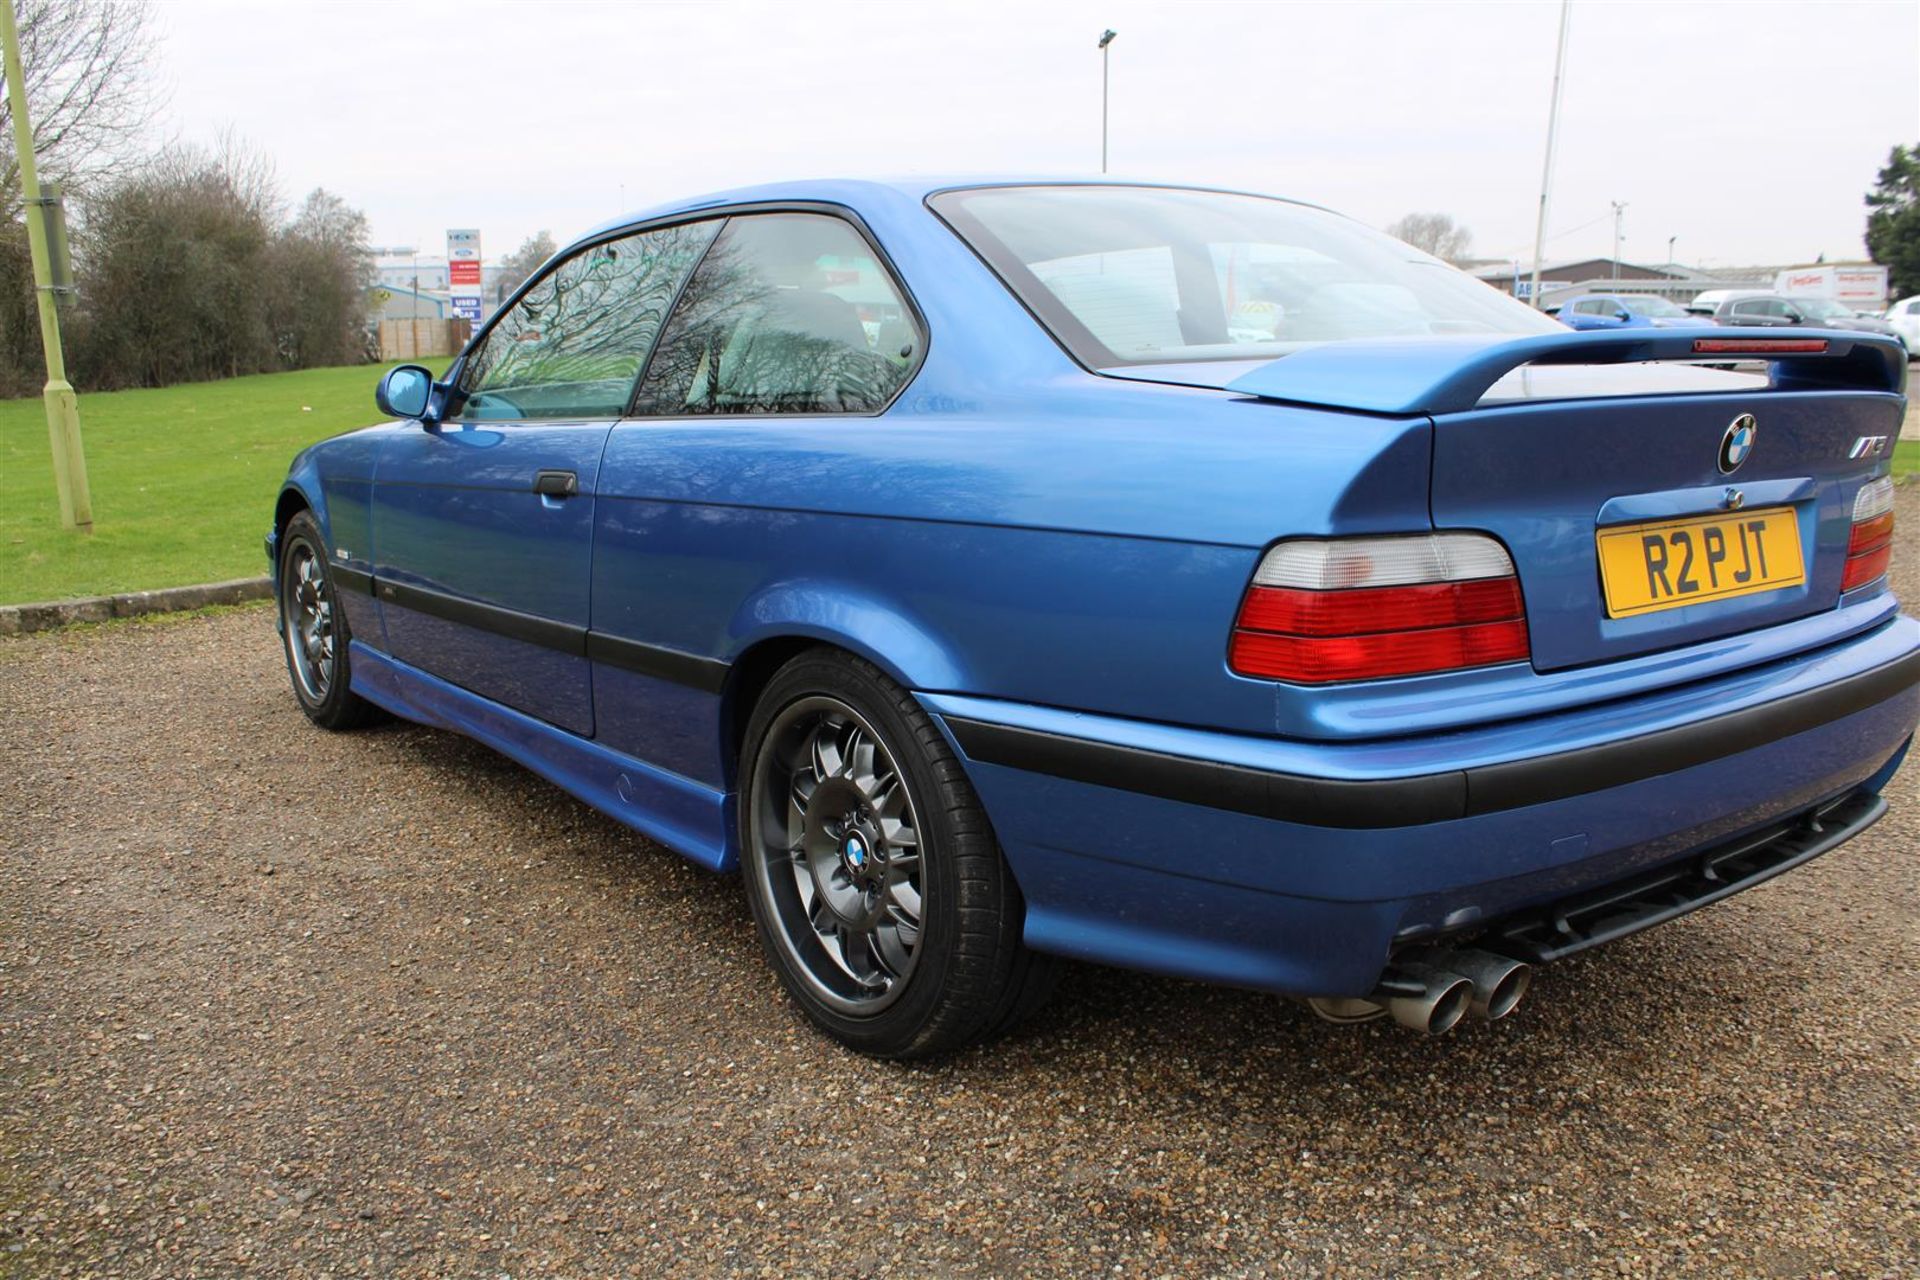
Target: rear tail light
x,y
1321,611
1871,547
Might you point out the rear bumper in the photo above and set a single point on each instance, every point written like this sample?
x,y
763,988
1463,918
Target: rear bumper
x,y
1299,866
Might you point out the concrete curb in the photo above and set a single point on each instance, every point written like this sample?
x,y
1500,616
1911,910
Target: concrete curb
x,y
18,619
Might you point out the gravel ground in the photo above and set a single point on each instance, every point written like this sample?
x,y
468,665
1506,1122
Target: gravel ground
x,y
280,1003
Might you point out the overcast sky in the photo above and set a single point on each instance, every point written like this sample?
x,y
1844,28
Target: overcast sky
x,y
1749,130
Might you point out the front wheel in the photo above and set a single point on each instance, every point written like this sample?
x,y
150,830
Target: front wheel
x,y
315,631
876,884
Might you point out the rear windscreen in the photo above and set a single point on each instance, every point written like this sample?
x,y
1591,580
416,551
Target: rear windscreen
x,y
1145,275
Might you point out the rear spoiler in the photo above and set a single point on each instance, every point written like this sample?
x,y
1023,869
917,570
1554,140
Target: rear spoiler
x,y
1450,374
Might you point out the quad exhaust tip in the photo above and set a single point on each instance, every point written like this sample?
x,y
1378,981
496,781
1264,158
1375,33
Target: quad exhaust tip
x,y
1433,988
1498,981
1444,999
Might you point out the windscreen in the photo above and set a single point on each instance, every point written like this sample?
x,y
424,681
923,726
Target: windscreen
x,y
1656,307
1148,275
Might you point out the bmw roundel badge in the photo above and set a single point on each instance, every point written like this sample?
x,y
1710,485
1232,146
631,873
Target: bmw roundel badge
x,y
1737,443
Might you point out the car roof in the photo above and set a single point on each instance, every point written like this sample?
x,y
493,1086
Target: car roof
x,y
857,192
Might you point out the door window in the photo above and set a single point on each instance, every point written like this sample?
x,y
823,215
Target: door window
x,y
787,313
573,345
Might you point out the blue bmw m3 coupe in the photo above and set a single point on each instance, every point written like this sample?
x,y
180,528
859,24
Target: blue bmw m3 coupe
x,y
1173,578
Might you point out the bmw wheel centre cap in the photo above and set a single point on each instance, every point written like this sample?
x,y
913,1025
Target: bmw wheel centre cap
x,y
1737,443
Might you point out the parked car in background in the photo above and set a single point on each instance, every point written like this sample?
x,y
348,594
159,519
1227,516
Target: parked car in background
x,y
1706,304
1769,310
1186,580
1626,311
1904,316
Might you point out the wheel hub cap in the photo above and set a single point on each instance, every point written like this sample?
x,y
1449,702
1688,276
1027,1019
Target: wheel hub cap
x,y
853,855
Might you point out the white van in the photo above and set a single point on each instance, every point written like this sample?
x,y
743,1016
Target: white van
x,y
1707,303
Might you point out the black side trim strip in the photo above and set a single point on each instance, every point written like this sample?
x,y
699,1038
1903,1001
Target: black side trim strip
x,y
355,580
1320,802
1494,787
1432,797
545,632
709,675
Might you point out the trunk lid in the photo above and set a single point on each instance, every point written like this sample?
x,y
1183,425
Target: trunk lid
x,y
1627,534
1648,502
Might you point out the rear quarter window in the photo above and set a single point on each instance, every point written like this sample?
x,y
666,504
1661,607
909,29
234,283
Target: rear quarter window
x,y
787,313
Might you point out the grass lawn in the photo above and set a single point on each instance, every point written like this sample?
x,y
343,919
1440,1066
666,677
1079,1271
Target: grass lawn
x,y
1906,457
183,480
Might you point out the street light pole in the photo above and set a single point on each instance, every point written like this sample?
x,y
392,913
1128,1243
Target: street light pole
x,y
1106,38
1546,172
1670,240
1619,213
63,407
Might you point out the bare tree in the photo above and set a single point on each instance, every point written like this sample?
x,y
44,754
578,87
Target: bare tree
x,y
319,270
333,224
521,263
1434,233
187,271
248,172
85,66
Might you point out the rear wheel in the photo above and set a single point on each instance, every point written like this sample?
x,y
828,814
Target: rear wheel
x,y
876,884
314,631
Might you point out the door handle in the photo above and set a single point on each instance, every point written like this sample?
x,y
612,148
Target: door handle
x,y
556,484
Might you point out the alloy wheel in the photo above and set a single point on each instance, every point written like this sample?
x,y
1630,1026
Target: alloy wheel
x,y
836,845
308,608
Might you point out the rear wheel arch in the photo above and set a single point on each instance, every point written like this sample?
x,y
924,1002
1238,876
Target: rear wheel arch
x,y
797,618
749,674
747,678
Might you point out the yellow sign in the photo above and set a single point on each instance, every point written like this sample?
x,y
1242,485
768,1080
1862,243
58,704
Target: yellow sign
x,y
1670,563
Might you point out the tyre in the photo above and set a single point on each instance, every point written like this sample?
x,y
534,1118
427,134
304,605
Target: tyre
x,y
314,631
877,888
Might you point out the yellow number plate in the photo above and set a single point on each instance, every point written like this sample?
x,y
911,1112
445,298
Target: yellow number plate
x,y
1647,567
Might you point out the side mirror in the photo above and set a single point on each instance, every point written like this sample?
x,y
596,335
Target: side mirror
x,y
1794,317
405,392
